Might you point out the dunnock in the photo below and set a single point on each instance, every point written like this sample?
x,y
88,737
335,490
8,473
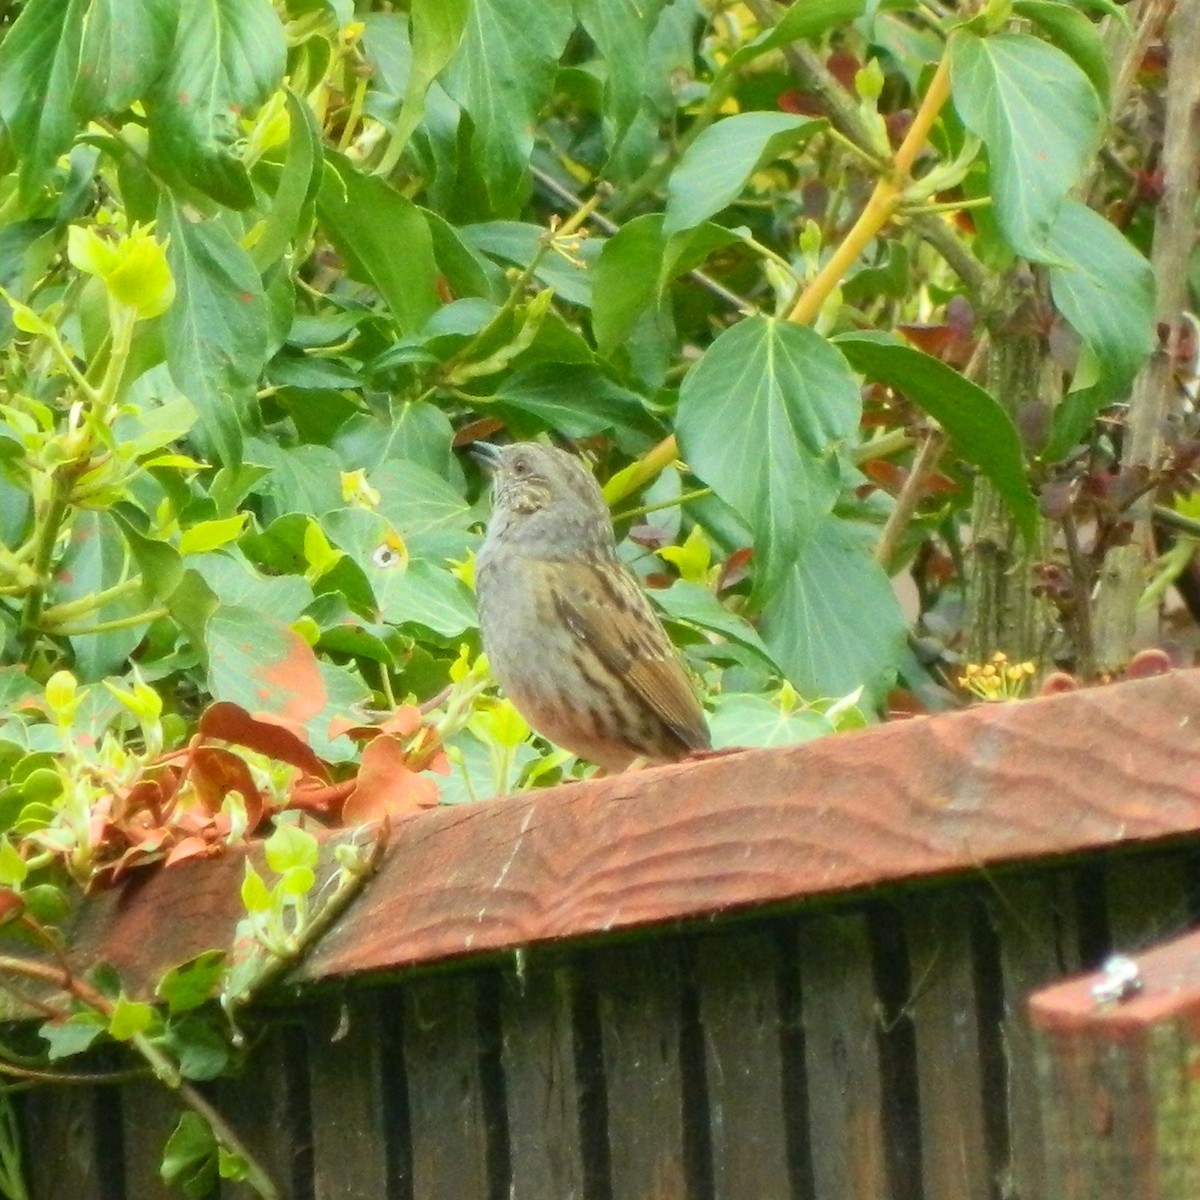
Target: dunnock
x,y
570,635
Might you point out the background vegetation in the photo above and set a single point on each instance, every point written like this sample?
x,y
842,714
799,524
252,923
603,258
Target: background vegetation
x,y
845,299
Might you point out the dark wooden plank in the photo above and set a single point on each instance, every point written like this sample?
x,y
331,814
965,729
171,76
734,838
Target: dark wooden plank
x,y
267,1105
1147,899
944,1008
915,798
148,1115
61,1148
738,997
448,1116
1036,927
541,1088
639,993
346,1087
841,1014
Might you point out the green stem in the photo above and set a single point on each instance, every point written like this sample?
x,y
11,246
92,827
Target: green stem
x,y
93,602
51,522
142,618
166,1070
680,500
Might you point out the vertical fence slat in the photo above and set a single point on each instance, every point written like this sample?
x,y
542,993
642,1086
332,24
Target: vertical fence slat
x,y
1037,929
737,980
841,1050
264,1107
541,1089
346,1100
447,1110
61,1143
148,1115
639,990
945,1021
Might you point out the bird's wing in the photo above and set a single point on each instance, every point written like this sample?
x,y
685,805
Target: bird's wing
x,y
608,612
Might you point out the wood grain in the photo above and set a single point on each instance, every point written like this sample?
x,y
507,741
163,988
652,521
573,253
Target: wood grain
x,y
639,997
541,1088
1110,766
447,1109
945,1020
841,1015
346,1084
736,977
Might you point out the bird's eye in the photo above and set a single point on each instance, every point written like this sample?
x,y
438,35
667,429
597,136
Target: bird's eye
x,y
520,466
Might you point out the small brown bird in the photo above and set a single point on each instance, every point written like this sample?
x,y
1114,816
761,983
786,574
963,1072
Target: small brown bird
x,y
569,633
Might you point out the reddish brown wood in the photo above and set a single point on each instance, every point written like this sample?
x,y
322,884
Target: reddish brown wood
x,y
1104,767
1120,1098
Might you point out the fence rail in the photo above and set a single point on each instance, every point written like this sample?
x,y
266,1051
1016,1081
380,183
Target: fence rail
x,y
785,975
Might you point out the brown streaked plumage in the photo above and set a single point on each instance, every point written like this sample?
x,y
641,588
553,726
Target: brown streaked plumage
x,y
571,637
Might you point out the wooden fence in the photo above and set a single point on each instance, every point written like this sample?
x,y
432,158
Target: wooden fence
x,y
783,975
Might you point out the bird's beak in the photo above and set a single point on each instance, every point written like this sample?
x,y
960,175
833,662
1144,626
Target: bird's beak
x,y
487,453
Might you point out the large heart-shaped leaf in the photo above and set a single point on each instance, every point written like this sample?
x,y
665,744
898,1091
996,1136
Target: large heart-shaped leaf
x,y
761,419
1039,117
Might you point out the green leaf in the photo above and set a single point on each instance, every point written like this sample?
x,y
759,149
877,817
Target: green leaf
x,y
201,1051
13,868
192,983
290,846
263,665
742,720
190,1157
39,61
1105,288
808,20
96,558
621,31
72,1036
417,501
625,282
437,31
574,399
426,595
761,419
1075,35
690,604
980,430
256,896
502,75
1039,117
217,331
228,57
158,561
718,164
126,45
367,220
298,183
834,622
129,1018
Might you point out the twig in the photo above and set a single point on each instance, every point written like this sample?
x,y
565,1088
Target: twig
x,y
901,515
609,227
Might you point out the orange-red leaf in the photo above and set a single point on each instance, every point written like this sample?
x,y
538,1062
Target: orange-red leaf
x,y
265,733
386,786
